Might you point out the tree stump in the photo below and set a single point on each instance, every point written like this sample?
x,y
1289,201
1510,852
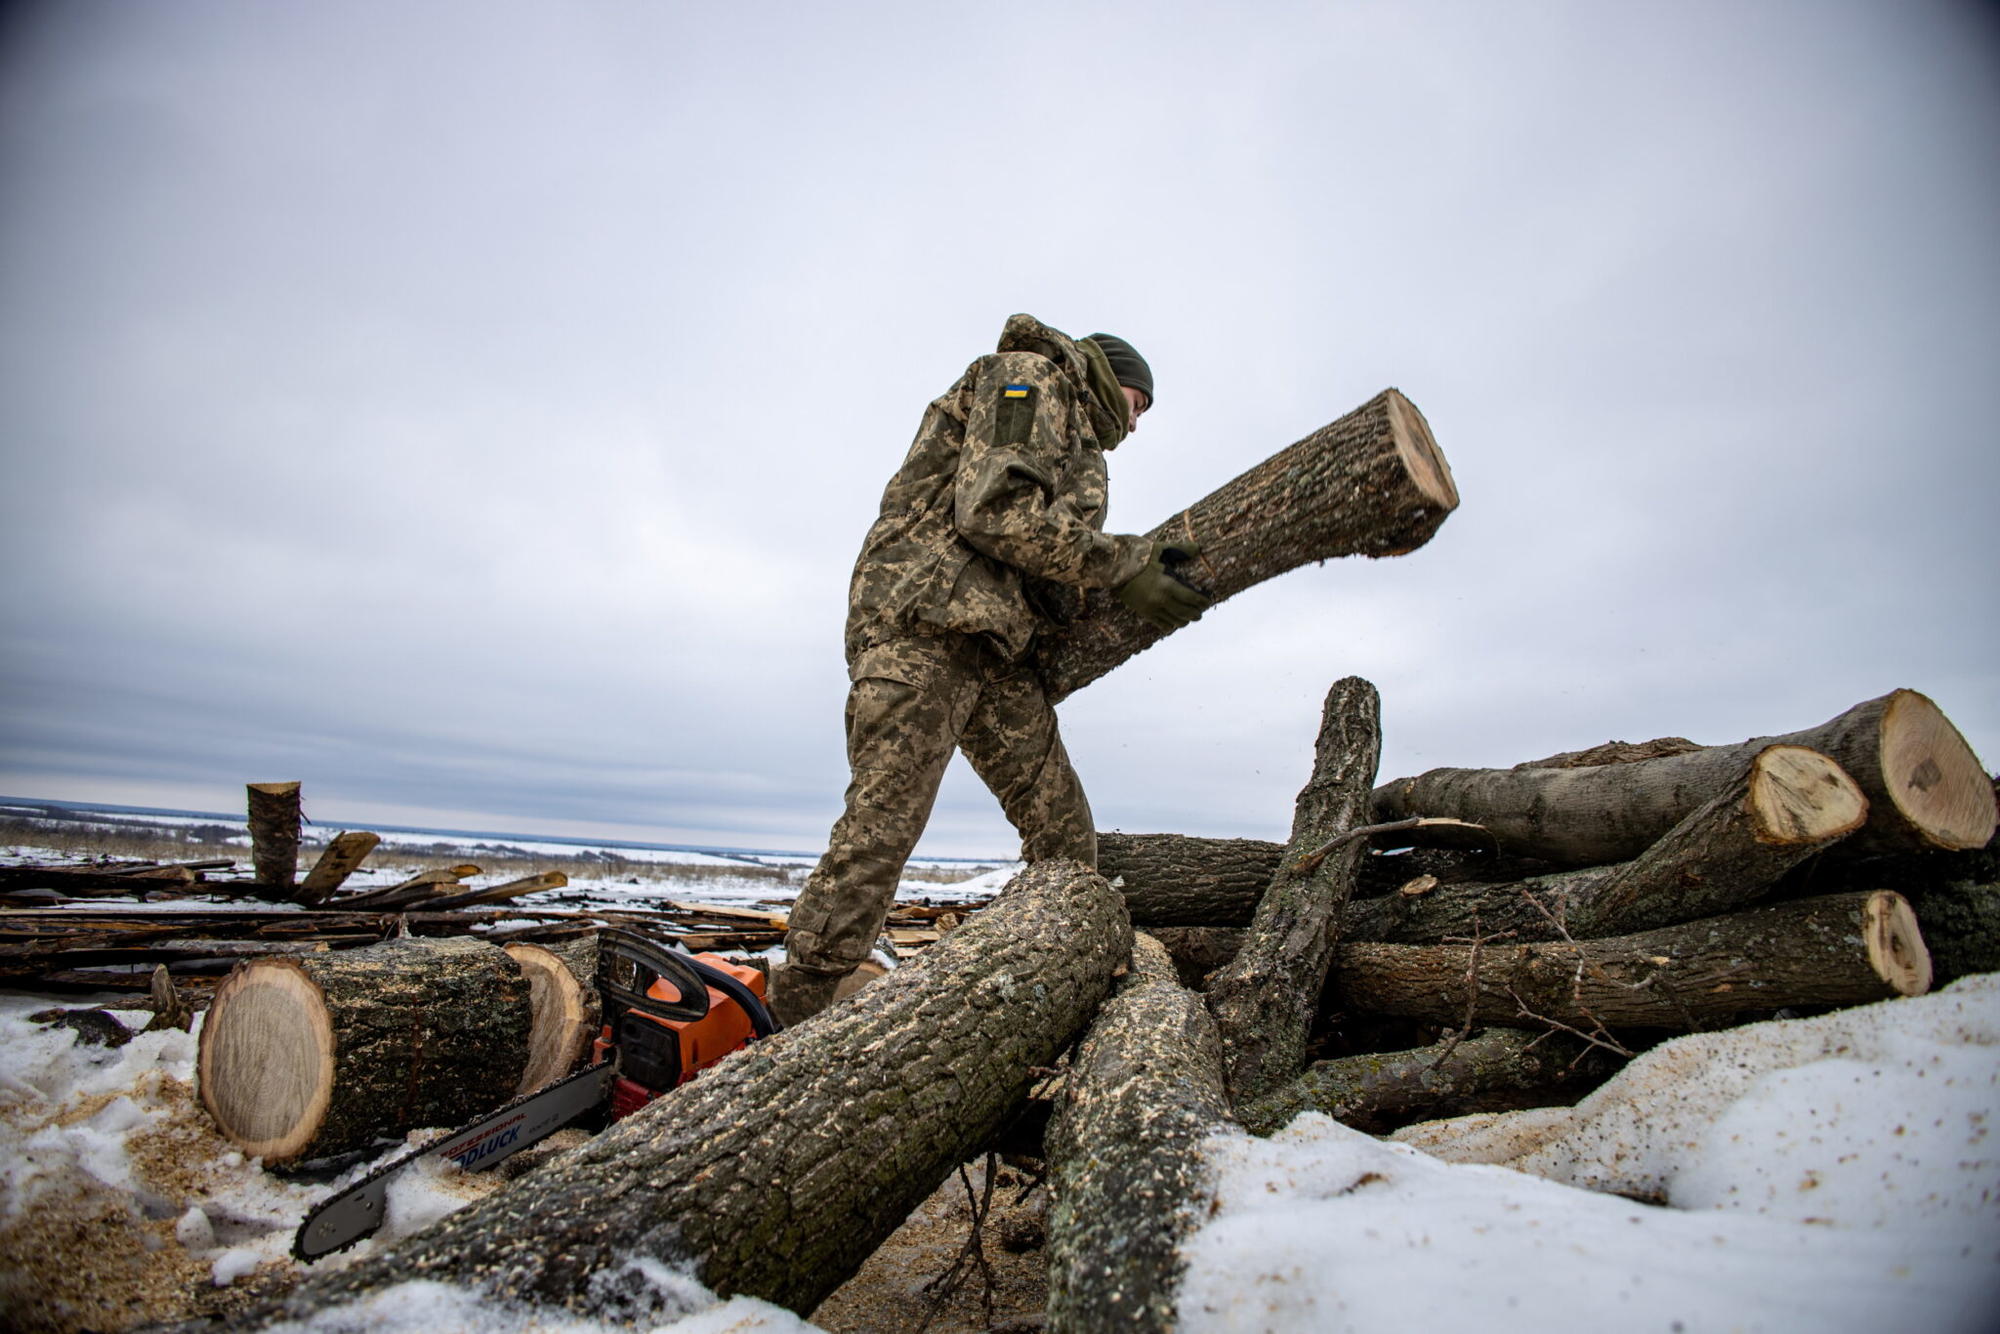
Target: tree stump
x,y
1372,483
1144,1091
1265,998
316,1054
1845,949
1925,789
778,1170
274,833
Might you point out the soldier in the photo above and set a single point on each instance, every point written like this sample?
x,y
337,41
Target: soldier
x,y
990,533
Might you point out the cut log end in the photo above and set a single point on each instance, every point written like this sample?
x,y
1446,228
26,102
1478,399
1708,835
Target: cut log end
x,y
1419,451
1932,776
561,1023
266,1061
1896,948
1800,796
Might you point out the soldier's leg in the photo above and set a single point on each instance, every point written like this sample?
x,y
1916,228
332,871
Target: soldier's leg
x,y
905,709
1015,748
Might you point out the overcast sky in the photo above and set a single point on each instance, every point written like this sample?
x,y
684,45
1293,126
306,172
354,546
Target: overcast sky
x,y
473,409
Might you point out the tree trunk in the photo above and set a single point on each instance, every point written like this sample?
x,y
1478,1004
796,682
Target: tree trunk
x,y
274,833
1841,950
1924,785
1499,1070
342,856
1372,483
1265,998
1143,1092
1178,880
312,1055
779,1170
1787,804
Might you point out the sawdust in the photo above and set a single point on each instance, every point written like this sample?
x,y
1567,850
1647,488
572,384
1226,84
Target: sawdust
x,y
897,1289
84,1255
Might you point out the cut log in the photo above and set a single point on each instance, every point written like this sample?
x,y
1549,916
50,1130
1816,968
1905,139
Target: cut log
x,y
343,854
1787,804
1265,998
566,1009
313,1055
274,833
1844,949
1125,1175
1924,786
1178,880
1498,1070
780,1169
1372,483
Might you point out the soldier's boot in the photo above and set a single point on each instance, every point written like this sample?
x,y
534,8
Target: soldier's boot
x,y
797,996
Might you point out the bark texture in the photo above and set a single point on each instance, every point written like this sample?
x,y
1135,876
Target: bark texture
x,y
781,1168
1841,950
274,832
1179,880
1787,804
1924,786
1125,1171
317,1054
1264,999
1500,1069
1372,483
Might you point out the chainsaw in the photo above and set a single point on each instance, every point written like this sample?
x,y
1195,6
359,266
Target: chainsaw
x,y
669,1015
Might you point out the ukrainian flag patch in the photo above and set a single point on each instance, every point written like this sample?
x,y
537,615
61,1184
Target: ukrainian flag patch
x,y
1014,391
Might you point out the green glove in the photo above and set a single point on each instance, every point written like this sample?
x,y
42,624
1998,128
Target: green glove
x,y
1158,596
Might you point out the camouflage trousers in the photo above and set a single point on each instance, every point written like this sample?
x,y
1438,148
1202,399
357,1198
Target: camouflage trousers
x,y
912,703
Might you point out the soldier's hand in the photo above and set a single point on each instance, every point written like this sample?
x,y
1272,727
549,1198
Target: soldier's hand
x,y
1159,597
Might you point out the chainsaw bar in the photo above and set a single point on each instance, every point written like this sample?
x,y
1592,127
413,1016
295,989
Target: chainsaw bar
x,y
344,1218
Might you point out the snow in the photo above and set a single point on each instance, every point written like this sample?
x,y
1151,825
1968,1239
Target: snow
x,y
1826,1174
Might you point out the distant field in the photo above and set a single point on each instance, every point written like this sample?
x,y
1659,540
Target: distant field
x,y
130,837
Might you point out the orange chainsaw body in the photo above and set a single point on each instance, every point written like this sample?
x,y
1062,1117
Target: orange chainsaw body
x,y
698,1043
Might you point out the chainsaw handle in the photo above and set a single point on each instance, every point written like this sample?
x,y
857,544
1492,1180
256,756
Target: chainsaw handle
x,y
617,946
762,1022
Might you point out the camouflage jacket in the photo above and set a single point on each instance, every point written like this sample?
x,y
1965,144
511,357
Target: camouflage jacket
x,y
994,524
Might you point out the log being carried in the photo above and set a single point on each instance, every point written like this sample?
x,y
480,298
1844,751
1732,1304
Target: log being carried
x,y
1372,483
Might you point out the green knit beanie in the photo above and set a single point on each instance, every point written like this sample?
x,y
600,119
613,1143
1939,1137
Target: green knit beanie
x,y
1126,363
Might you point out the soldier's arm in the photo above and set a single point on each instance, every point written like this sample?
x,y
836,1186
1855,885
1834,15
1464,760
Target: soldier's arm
x,y
1006,499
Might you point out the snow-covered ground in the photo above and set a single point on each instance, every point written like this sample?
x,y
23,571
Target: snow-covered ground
x,y
1827,1174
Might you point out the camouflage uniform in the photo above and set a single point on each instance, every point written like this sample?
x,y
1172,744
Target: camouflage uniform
x,y
990,532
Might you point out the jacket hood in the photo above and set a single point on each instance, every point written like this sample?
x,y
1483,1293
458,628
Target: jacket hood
x,y
1025,333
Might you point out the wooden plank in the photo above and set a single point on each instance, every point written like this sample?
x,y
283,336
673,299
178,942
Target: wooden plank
x,y
513,889
342,855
